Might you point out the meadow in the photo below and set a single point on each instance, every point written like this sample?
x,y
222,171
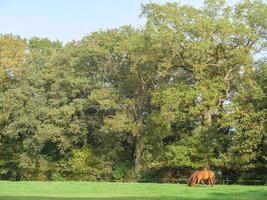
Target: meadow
x,y
125,191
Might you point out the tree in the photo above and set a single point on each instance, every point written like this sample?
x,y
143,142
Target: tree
x,y
215,48
183,92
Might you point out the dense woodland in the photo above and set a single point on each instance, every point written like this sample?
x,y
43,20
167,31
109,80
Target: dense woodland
x,y
185,91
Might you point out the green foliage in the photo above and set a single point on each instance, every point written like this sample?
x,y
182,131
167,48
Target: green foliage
x,y
85,165
183,92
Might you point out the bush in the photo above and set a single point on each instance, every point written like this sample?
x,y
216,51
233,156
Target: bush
x,y
85,165
120,172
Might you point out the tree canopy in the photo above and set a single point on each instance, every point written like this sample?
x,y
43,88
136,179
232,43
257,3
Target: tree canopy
x,y
185,91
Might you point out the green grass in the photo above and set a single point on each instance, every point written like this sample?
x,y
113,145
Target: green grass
x,y
125,191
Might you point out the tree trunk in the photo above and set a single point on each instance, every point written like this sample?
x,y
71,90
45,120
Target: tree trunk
x,y
137,158
138,145
139,131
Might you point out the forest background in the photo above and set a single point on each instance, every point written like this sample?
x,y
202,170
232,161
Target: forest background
x,y
185,91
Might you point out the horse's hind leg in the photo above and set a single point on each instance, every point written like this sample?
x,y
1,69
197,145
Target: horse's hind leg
x,y
194,180
198,180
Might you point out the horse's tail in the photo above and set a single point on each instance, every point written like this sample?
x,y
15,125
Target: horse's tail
x,y
190,180
213,178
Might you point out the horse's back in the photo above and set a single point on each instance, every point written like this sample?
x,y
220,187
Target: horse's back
x,y
206,174
211,173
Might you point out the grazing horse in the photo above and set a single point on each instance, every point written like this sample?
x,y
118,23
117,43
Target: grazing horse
x,y
190,181
198,176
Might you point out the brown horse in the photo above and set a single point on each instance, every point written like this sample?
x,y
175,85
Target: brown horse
x,y
198,176
192,177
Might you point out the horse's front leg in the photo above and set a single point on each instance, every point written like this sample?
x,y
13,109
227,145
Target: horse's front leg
x,y
210,182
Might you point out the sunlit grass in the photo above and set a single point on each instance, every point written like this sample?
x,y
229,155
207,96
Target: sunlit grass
x,y
125,191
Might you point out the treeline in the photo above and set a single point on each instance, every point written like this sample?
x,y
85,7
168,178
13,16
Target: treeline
x,y
185,91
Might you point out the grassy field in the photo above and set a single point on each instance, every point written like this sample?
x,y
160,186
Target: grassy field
x,y
125,191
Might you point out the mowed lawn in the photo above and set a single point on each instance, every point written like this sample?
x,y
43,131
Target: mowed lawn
x,y
125,191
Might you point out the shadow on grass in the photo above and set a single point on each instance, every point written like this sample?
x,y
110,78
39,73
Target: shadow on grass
x,y
99,198
89,198
211,197
247,195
